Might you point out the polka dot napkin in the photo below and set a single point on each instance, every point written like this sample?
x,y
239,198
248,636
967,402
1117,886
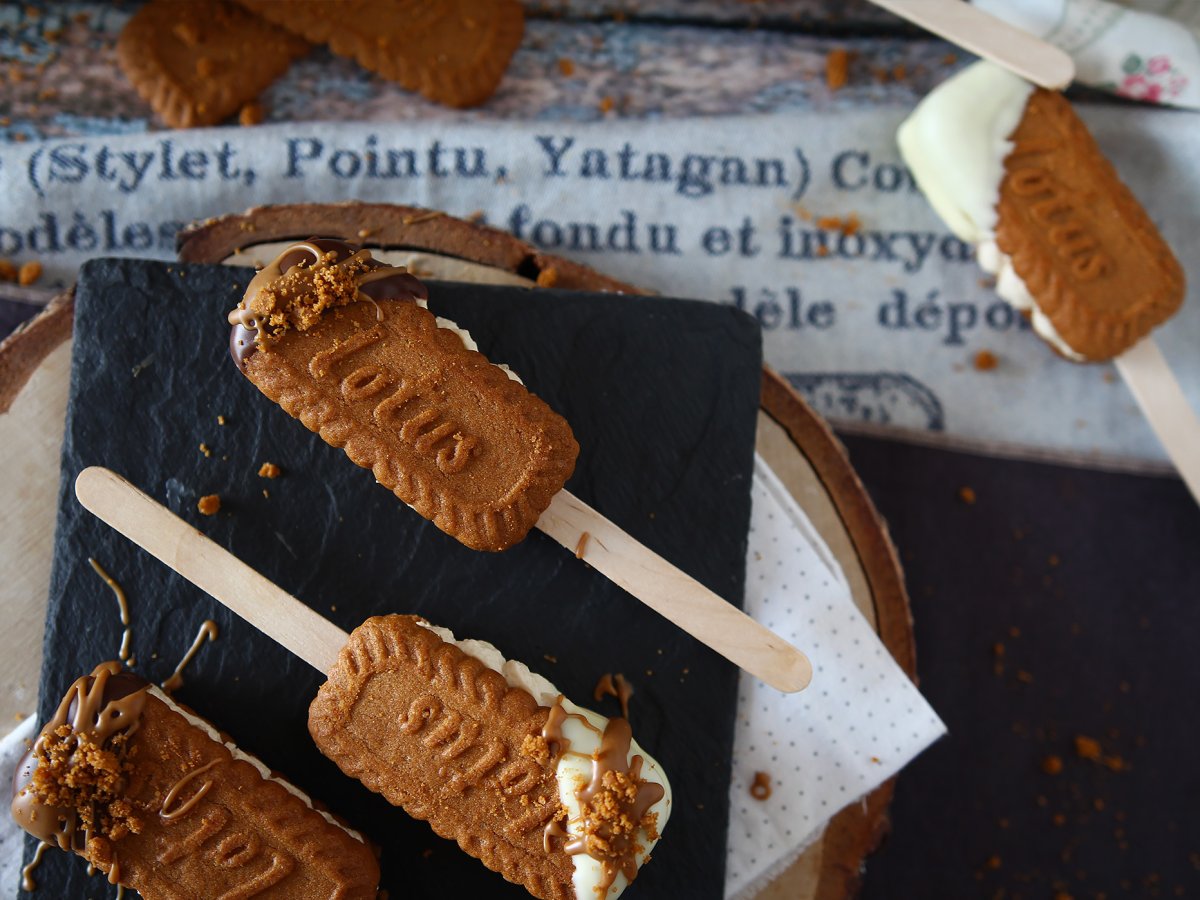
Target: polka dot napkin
x,y
822,749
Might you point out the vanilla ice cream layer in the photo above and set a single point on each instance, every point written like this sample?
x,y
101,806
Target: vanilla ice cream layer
x,y
572,771
955,143
1011,287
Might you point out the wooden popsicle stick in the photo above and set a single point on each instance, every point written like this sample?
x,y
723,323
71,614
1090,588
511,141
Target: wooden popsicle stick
x,y
210,567
1165,406
674,594
994,39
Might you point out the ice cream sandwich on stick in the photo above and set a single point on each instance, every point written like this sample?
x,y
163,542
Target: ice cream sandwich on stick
x,y
155,798
550,795
347,345
1012,170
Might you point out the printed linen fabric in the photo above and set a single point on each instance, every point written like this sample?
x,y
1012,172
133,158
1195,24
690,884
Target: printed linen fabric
x,y
1147,50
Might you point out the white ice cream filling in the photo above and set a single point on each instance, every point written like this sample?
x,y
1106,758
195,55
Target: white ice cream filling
x,y
955,143
572,772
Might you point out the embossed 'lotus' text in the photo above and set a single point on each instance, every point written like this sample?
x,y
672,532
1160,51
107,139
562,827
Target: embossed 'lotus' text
x,y
228,849
1051,207
408,409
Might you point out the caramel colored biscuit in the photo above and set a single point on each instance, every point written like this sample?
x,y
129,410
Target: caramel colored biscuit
x,y
552,796
438,733
453,52
151,797
445,430
1084,247
197,63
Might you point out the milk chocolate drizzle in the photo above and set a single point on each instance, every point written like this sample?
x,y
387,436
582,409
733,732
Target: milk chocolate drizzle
x,y
379,282
620,850
123,653
27,882
98,707
614,686
173,794
208,631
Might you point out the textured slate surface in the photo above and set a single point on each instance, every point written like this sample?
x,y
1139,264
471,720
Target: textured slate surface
x,y
662,395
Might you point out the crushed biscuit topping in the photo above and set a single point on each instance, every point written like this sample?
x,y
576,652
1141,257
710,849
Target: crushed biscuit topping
x,y
536,748
73,772
298,297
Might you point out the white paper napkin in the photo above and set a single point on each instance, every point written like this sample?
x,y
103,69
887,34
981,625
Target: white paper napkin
x,y
12,842
859,722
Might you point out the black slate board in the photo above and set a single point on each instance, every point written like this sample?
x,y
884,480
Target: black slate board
x,y
662,395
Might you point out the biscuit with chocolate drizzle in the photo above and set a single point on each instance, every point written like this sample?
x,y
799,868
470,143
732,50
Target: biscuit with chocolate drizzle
x,y
345,344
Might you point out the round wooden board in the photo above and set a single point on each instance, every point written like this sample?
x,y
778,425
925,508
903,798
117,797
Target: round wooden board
x,y
795,442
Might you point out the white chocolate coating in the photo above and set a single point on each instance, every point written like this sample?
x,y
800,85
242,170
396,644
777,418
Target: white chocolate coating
x,y
573,771
955,143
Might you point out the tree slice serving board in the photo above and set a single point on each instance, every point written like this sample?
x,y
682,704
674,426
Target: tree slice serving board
x,y
791,437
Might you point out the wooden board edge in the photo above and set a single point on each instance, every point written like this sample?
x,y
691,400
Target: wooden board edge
x,y
858,830
23,351
867,529
396,227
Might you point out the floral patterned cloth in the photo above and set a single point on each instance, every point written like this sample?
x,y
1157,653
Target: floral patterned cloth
x,y
1146,50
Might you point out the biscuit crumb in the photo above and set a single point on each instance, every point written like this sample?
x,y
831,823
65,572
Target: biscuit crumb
x,y
364,233
967,495
251,113
606,104
581,547
269,470
220,420
848,225
548,277
549,658
1087,748
985,361
536,748
566,67
837,66
760,789
205,449
8,271
266,494
29,273
209,504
